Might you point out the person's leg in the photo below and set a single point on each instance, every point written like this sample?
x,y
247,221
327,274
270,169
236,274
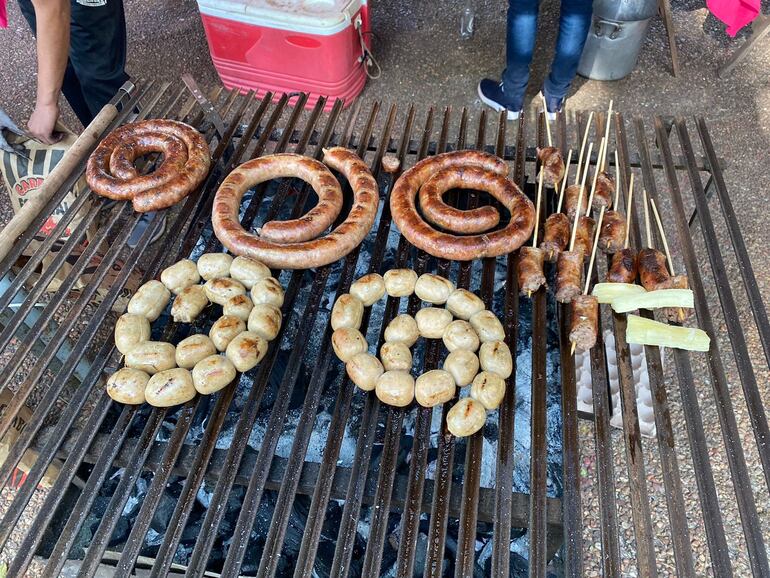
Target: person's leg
x,y
520,45
98,49
574,24
508,94
70,86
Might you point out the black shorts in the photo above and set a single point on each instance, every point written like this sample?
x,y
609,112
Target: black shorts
x,y
97,56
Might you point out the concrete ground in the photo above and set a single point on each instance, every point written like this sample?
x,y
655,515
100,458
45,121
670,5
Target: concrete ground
x,y
424,61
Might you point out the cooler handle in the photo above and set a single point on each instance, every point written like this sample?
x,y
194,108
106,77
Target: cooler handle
x,y
366,55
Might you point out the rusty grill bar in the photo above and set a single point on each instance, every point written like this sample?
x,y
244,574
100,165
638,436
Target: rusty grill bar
x,y
90,445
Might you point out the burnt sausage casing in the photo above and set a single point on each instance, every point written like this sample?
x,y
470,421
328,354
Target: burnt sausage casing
x,y
612,236
585,321
623,267
569,276
605,190
552,163
531,276
652,268
584,236
571,195
556,232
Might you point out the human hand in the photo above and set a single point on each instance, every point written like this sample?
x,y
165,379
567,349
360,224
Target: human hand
x,y
43,121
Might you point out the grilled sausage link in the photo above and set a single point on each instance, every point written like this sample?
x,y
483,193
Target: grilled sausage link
x,y
439,213
569,275
309,253
531,276
110,171
612,236
623,268
552,163
469,169
584,236
584,324
605,190
556,234
652,268
571,195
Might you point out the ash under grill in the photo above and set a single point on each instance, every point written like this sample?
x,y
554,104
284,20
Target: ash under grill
x,y
294,471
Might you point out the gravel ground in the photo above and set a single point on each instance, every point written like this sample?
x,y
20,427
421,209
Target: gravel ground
x,y
407,38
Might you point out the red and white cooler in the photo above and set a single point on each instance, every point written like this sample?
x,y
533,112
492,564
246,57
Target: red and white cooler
x,y
314,46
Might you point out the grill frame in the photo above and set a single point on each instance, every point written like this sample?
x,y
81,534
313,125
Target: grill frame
x,y
187,225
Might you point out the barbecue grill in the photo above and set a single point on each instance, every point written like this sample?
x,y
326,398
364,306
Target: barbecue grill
x,y
373,506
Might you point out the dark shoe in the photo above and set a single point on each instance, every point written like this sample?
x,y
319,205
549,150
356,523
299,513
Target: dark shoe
x,y
553,104
141,226
493,95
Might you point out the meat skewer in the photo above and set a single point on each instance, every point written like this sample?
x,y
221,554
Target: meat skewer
x,y
652,263
674,281
605,184
575,201
551,161
584,323
623,268
599,161
573,191
556,229
613,231
569,267
585,224
531,276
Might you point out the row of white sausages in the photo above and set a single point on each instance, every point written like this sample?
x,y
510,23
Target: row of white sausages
x,y
164,375
475,330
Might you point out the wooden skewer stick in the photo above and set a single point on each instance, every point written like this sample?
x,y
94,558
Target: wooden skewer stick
x,y
647,219
617,182
629,210
564,181
593,251
537,209
547,126
662,236
583,147
580,201
602,148
606,135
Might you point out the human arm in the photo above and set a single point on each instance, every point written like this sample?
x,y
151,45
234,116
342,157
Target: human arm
x,y
53,37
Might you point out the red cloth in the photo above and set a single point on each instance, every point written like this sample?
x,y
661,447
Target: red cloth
x,y
735,13
3,15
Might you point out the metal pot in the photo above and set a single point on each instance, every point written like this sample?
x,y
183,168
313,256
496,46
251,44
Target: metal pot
x,y
612,48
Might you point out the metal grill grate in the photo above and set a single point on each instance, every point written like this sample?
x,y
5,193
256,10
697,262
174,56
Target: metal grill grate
x,y
140,440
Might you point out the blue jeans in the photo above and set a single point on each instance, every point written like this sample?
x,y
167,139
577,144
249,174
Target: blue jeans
x,y
574,23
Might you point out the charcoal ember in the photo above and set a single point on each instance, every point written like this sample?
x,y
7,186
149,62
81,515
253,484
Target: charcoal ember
x,y
164,510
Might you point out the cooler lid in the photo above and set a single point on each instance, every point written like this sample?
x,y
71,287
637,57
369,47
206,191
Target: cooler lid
x,y
309,16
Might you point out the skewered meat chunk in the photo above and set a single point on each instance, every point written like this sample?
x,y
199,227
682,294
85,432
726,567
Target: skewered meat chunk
x,y
571,195
531,276
652,268
584,237
612,237
555,236
569,275
605,190
623,268
584,325
552,165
